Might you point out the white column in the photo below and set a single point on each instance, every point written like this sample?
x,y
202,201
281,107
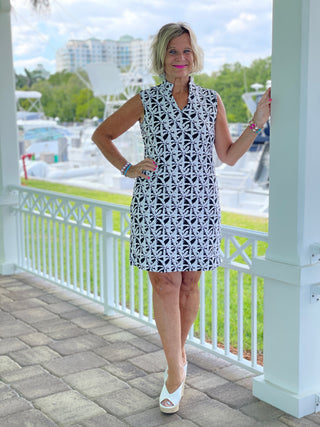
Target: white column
x,y
291,379
9,167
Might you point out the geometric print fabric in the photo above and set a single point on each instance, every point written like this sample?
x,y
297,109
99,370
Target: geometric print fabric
x,y
175,214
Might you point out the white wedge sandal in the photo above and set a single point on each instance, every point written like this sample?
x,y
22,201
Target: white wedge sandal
x,y
173,398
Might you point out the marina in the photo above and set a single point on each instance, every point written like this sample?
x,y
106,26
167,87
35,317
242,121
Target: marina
x,y
66,154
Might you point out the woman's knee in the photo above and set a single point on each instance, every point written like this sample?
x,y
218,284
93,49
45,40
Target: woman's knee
x,y
190,280
165,283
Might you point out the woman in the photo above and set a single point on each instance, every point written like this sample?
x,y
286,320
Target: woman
x,y
175,213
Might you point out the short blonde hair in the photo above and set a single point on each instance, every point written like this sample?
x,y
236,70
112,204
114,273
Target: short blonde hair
x,y
161,41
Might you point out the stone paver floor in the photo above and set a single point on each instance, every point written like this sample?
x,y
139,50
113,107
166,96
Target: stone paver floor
x,y
64,363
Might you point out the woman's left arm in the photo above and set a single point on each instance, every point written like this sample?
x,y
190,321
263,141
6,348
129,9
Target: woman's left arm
x,y
228,151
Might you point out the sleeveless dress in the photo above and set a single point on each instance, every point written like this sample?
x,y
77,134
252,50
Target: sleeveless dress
x,y
175,214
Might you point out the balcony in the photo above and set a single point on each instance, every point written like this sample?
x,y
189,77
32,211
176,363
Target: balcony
x,y
78,340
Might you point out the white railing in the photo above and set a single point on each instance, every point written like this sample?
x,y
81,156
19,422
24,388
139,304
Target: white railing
x,y
83,245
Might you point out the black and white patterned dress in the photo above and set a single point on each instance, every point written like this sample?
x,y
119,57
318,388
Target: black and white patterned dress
x,y
175,215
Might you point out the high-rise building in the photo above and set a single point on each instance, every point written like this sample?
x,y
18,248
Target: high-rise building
x,y
126,51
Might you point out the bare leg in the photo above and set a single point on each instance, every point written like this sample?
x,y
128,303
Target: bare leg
x,y
166,304
189,305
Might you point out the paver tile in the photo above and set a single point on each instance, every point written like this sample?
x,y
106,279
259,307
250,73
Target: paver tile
x,y
36,339
95,382
144,345
7,364
232,394
208,412
126,402
105,420
261,411
47,326
30,418
19,374
61,307
154,418
14,328
234,373
118,351
122,336
105,330
73,407
6,392
151,362
149,384
76,344
88,321
205,381
74,363
39,386
124,370
34,355
11,344
13,405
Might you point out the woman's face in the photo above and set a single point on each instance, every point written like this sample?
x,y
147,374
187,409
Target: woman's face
x,y
178,62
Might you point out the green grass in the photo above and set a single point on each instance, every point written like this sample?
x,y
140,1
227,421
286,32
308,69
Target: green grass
x,y
232,219
227,218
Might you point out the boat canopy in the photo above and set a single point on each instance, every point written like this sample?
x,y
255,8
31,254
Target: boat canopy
x,y
27,94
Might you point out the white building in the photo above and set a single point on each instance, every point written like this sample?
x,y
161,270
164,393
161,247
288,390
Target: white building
x,y
124,52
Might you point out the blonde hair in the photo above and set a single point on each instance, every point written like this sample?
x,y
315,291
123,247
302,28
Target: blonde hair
x,y
161,41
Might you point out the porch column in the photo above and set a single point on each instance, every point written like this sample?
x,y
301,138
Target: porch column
x,y
9,166
291,379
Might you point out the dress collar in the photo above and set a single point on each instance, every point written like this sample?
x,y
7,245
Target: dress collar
x,y
168,86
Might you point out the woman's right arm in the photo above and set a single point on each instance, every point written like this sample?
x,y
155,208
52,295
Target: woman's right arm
x,y
116,125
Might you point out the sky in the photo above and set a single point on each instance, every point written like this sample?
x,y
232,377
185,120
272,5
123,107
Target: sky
x,y
229,31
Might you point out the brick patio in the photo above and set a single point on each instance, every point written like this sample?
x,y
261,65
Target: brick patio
x,y
64,363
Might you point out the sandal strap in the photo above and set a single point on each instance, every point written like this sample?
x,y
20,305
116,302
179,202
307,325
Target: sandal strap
x,y
174,397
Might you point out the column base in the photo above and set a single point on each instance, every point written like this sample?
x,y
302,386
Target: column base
x,y
297,405
7,269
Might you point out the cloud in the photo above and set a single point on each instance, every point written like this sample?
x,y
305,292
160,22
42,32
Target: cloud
x,y
241,23
31,64
216,23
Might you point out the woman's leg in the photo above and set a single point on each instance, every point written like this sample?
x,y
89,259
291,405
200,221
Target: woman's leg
x,y
166,305
189,299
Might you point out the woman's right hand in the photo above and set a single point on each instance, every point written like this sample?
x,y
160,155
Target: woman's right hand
x,y
136,171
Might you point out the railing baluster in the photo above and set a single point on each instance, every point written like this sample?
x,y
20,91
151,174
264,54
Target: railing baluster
x,y
101,263
140,281
68,261
55,251
87,257
254,316
202,310
94,255
132,294
150,305
43,238
74,259
33,257
38,245
61,250
240,316
214,313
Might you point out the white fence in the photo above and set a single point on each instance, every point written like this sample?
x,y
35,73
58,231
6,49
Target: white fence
x,y
83,245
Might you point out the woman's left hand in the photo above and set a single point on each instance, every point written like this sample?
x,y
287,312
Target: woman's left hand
x,y
263,110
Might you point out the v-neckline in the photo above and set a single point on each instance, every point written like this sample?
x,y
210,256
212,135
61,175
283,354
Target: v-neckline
x,y
168,88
